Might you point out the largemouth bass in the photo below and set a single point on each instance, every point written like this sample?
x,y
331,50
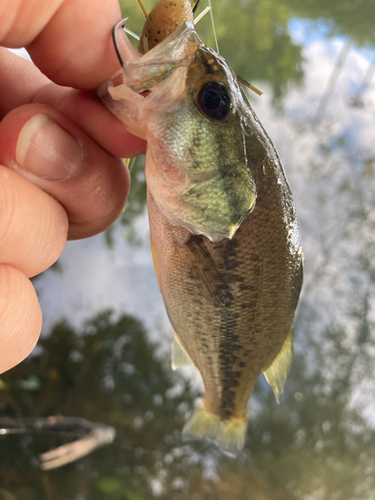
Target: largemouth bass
x,y
224,233
195,181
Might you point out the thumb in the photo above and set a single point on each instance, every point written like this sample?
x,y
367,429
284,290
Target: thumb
x,y
43,145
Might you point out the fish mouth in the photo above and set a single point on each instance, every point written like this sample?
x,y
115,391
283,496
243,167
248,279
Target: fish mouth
x,y
149,70
157,64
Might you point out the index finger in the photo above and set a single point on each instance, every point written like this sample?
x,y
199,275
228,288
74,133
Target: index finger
x,y
69,40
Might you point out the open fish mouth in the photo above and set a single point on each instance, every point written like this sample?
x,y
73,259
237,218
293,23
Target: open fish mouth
x,y
193,121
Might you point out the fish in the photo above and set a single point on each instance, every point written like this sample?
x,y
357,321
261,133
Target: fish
x,y
225,237
194,98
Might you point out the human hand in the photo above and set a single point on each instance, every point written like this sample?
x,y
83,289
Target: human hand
x,y
60,172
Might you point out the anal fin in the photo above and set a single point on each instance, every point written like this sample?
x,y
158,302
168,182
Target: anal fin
x,y
277,373
179,356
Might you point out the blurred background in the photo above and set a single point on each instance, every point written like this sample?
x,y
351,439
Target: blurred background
x,y
105,349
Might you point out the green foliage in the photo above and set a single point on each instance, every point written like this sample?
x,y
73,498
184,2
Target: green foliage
x,y
108,372
342,17
113,488
253,37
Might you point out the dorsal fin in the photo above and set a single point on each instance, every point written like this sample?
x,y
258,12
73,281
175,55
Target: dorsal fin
x,y
179,356
277,373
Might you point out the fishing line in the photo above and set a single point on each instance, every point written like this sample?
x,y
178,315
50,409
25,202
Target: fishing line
x,y
213,27
131,163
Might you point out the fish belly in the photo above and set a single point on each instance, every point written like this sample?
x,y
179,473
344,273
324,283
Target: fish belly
x,y
231,304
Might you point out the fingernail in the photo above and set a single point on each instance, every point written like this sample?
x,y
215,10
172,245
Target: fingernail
x,y
47,151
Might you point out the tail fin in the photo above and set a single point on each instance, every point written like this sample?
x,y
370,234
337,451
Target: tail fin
x,y
228,434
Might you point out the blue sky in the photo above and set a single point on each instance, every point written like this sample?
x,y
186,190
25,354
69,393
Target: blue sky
x,y
306,31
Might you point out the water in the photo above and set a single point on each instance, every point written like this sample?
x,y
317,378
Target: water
x,y
104,355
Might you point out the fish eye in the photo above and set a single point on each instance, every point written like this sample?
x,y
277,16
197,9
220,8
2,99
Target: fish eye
x,y
214,100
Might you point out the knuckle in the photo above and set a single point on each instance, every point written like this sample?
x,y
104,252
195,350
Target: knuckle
x,y
7,205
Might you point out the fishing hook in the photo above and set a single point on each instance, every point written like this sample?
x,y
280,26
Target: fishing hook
x,y
195,6
119,25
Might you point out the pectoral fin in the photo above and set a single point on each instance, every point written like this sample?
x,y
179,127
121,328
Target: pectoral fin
x,y
212,282
179,356
277,373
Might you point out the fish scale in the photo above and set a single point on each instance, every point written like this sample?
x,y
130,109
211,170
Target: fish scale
x,y
256,261
224,234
